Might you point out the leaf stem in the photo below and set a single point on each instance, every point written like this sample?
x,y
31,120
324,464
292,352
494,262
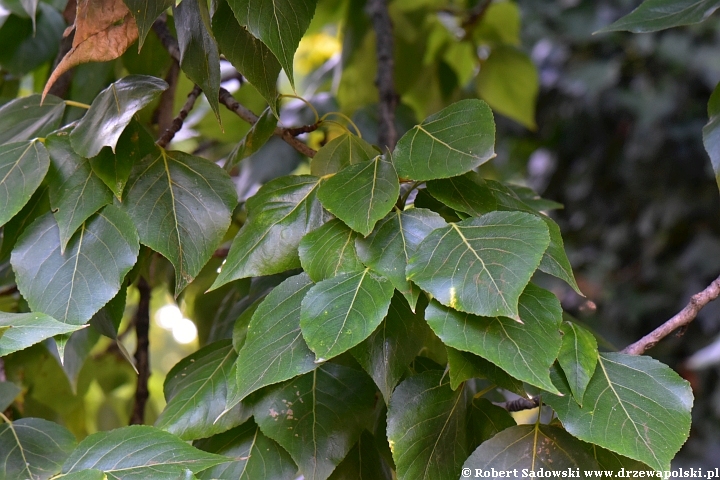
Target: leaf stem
x,y
347,119
310,105
73,103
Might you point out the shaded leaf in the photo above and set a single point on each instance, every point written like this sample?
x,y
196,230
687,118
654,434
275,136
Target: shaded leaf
x,y
38,205
611,461
465,365
481,265
274,350
640,409
329,251
27,329
195,391
486,420
361,194
654,15
103,31
363,462
524,350
340,312
33,448
532,199
27,118
24,50
75,191
111,111
199,56
578,358
451,142
139,451
145,13
8,390
531,448
72,286
247,54
427,428
279,24
256,456
23,166
711,131
317,417
181,206
340,152
386,354
394,241
279,215
73,350
255,138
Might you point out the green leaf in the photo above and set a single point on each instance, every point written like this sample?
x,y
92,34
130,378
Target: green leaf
x,y
524,350
195,391
427,428
75,191
274,350
279,24
73,350
279,216
611,461
465,365
145,13
578,358
181,206
25,48
199,56
386,354
8,391
27,118
72,286
139,451
107,320
361,194
363,462
33,448
89,474
329,251
532,448
317,417
111,112
247,54
256,456
640,409
254,139
500,24
342,311
451,142
27,329
654,15
114,168
555,261
711,132
508,81
340,152
38,205
530,198
481,265
486,420
23,166
394,241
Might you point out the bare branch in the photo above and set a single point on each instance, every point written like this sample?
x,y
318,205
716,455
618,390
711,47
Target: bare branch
x,y
177,122
378,10
142,361
680,320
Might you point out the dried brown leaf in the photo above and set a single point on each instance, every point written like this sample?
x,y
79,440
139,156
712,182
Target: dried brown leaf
x,y
104,29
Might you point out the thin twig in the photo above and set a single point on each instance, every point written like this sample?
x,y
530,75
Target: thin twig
x,y
378,10
2,370
681,319
142,330
177,122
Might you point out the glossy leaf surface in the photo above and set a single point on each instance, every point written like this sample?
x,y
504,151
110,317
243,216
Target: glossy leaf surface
x,y
329,251
27,118
23,166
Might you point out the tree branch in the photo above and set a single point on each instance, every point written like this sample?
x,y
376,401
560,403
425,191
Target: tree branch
x,y
520,404
382,24
681,319
177,122
142,330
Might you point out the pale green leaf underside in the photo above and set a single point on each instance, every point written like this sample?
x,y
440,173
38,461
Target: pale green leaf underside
x,y
26,329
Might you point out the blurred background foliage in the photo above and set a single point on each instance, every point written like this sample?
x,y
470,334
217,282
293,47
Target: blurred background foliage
x,y
607,124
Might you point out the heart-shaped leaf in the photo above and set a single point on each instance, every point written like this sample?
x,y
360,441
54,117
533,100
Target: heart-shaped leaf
x,y
139,451
256,456
75,191
181,206
279,24
33,448
145,13
274,349
195,391
394,241
23,166
329,251
73,285
524,350
318,417
342,151
28,117
640,409
481,265
654,15
26,329
279,216
451,142
111,111
578,358
361,194
342,311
